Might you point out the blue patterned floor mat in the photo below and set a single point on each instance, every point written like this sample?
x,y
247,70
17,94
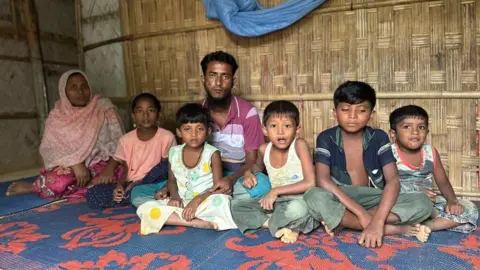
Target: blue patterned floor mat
x,y
69,235
18,203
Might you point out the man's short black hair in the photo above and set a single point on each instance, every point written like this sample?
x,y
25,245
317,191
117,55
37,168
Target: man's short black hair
x,y
219,56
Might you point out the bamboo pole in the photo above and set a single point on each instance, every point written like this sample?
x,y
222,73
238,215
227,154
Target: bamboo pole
x,y
380,95
132,37
369,5
13,11
322,96
27,59
467,194
127,48
78,21
18,115
36,60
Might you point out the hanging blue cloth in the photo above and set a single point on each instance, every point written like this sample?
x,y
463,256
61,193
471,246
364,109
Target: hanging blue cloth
x,y
248,18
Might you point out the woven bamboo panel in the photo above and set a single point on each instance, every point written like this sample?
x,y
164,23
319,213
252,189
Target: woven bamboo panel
x,y
104,65
16,94
61,21
20,137
5,14
396,46
19,145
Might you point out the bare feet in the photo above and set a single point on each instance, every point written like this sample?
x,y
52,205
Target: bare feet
x,y
203,224
422,232
331,232
18,188
287,236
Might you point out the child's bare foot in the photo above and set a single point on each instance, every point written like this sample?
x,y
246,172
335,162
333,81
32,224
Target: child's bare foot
x,y
409,230
287,236
424,233
18,188
203,224
329,231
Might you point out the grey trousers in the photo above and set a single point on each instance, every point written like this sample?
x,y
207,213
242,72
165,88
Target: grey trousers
x,y
411,208
288,212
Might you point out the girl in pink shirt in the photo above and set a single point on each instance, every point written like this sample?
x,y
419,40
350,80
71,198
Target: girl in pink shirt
x,y
138,152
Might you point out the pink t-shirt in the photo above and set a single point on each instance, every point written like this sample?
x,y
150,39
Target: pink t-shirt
x,y
241,133
142,156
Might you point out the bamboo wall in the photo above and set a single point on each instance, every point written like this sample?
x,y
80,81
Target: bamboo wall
x,y
412,52
32,57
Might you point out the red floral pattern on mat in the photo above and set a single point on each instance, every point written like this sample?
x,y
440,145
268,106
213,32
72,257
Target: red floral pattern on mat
x,y
15,235
277,254
119,259
469,250
110,231
308,248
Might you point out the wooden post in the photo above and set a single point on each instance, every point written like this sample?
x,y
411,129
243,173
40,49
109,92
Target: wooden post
x,y
78,21
13,11
127,48
31,26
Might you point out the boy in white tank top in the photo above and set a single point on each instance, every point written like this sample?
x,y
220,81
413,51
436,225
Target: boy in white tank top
x,y
290,169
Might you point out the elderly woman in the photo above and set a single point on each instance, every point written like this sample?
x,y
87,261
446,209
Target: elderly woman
x,y
81,135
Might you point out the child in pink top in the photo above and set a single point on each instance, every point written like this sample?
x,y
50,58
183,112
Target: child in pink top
x,y
138,152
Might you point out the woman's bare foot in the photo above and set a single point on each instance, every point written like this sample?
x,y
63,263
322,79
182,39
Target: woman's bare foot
x,y
287,236
18,188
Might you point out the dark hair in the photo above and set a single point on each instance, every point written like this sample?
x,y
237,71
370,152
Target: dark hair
x,y
355,92
148,96
219,56
409,111
192,113
281,107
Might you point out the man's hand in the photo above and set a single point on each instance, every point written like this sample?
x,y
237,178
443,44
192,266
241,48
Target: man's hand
x,y
454,208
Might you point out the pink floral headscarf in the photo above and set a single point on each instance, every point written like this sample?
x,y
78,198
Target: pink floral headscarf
x,y
71,132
